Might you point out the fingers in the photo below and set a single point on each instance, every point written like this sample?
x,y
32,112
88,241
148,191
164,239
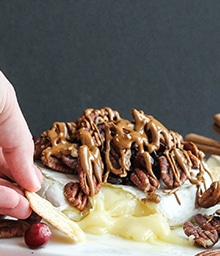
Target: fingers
x,y
22,170
16,140
12,201
20,179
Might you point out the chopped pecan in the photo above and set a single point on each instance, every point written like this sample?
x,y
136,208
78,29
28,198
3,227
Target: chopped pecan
x,y
211,196
208,222
144,181
75,195
204,238
213,252
12,228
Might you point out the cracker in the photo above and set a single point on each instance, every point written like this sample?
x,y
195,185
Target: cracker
x,y
55,217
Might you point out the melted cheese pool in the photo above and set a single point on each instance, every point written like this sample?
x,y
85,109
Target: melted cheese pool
x,y
116,211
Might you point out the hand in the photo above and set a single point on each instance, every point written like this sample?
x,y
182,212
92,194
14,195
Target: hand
x,y
16,155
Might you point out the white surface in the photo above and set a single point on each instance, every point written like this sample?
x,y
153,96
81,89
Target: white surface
x,y
94,246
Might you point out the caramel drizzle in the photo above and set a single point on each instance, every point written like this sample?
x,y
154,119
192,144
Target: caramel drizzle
x,y
91,166
144,133
59,139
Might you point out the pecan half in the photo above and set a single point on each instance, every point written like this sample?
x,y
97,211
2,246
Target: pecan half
x,y
75,196
211,196
194,160
204,238
57,164
171,174
12,228
190,146
90,170
54,143
114,157
213,252
208,222
144,181
70,162
93,120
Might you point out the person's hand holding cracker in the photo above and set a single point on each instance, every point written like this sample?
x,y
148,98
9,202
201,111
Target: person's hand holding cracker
x,y
16,155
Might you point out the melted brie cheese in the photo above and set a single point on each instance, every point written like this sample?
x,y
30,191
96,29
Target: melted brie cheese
x,y
120,210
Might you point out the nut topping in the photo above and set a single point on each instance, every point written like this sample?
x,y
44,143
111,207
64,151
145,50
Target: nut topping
x,y
75,196
213,252
90,170
101,144
211,196
208,222
172,179
144,181
204,238
55,143
12,228
206,229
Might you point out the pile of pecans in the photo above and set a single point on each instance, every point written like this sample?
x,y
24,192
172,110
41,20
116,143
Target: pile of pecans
x,y
102,147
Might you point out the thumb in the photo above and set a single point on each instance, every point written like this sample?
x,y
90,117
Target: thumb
x,y
16,140
13,204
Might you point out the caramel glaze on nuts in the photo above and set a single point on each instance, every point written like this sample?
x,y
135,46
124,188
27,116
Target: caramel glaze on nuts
x,y
102,147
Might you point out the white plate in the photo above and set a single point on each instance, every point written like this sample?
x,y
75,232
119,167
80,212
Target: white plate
x,y
94,246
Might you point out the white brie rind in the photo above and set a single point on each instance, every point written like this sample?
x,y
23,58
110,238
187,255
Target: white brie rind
x,y
120,210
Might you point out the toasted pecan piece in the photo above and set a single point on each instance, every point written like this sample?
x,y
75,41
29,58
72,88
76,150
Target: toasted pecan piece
x,y
211,196
213,252
12,228
75,195
204,238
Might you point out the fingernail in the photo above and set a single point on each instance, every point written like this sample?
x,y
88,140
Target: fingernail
x,y
37,178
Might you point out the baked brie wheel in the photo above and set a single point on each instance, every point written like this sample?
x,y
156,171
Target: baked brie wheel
x,y
135,179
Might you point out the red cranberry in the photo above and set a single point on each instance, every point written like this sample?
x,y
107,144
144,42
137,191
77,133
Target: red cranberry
x,y
37,235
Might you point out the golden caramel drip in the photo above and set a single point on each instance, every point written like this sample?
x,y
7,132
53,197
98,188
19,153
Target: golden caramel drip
x,y
102,133
59,138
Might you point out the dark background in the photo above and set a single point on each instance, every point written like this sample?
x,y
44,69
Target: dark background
x,y
163,57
